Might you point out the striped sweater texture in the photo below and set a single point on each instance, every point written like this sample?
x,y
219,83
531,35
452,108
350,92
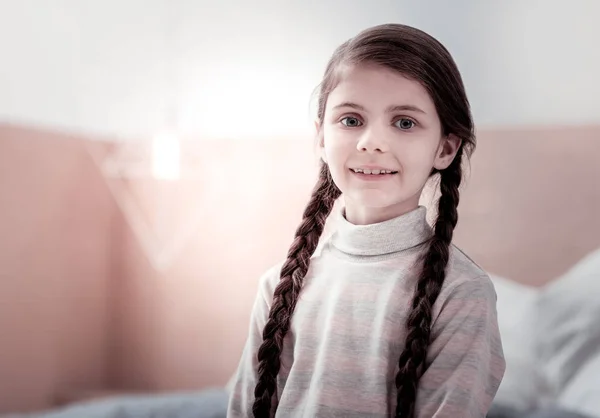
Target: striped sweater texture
x,y
340,357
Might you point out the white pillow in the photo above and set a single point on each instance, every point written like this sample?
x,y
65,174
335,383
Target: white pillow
x,y
568,332
516,320
582,394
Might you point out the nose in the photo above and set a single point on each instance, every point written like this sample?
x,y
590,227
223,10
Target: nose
x,y
372,142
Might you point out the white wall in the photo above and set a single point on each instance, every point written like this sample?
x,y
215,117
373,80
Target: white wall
x,y
248,68
90,65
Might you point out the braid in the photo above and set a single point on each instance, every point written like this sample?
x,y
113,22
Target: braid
x,y
427,290
287,291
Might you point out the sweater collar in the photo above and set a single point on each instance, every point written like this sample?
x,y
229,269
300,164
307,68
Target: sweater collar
x,y
394,235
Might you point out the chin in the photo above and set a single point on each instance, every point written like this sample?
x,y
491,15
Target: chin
x,y
376,199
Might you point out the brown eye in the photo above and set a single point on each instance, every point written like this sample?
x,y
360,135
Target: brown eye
x,y
350,122
405,124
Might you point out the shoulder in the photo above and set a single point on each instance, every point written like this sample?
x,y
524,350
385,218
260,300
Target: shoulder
x,y
461,265
465,277
468,297
269,280
267,283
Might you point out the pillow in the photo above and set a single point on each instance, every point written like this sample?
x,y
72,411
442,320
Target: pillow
x,y
582,393
568,329
548,412
520,386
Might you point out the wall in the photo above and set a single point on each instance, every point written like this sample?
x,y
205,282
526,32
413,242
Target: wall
x,y
524,63
55,252
182,325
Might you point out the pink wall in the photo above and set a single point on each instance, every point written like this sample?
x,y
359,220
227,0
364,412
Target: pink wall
x,y
530,207
55,268
83,305
190,318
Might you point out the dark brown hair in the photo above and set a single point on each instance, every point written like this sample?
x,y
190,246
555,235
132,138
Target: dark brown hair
x,y
417,56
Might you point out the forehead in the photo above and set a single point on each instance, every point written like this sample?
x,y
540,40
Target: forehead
x,y
377,87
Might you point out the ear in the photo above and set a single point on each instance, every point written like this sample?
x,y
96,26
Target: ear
x,y
320,140
447,150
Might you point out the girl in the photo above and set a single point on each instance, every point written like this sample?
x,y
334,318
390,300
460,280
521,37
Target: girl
x,y
388,317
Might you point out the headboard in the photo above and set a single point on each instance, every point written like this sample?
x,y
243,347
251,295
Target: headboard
x,y
530,207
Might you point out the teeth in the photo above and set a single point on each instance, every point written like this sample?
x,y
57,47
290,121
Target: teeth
x,y
373,172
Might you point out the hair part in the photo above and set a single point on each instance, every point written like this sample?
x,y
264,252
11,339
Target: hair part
x,y
420,57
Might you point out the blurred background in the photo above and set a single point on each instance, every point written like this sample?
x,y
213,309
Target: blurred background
x,y
156,156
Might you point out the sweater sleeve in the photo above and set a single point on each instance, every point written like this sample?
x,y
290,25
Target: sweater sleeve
x,y
465,360
244,381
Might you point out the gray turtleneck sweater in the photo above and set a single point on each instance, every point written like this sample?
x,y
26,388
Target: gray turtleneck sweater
x,y
341,354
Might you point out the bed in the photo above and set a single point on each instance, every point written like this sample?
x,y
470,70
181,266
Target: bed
x,y
551,339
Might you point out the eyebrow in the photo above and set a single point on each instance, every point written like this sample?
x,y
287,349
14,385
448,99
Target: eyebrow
x,y
391,109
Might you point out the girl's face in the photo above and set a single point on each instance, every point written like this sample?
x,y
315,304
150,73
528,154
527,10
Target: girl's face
x,y
381,137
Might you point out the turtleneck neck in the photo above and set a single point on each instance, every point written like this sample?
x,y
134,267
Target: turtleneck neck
x,y
394,235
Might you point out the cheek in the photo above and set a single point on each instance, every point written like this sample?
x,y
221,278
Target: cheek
x,y
338,154
416,161
337,161
337,149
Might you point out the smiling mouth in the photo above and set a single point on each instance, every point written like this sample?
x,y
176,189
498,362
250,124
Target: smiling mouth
x,y
373,172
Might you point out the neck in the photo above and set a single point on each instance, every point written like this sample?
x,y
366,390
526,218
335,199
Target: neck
x,y
363,215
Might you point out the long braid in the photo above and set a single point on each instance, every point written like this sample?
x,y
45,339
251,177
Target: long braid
x,y
428,288
287,291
